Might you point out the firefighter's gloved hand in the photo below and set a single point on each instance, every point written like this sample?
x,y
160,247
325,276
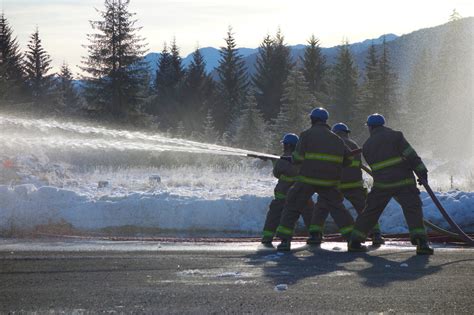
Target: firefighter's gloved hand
x,y
422,177
286,158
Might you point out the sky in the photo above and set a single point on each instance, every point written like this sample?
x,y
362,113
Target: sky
x,y
63,24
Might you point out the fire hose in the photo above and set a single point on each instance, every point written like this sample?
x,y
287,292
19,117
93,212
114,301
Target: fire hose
x,y
461,235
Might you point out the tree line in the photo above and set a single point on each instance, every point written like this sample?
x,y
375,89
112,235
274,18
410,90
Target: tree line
x,y
227,106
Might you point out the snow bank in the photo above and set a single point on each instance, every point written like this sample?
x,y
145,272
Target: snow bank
x,y
24,207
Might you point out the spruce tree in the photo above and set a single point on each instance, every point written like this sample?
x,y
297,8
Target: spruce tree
x,y
37,66
314,66
386,86
198,92
209,134
344,91
251,131
369,91
176,63
272,69
115,72
12,78
297,102
232,85
67,99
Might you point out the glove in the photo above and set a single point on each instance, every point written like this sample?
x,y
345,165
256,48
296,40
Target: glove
x,y
422,177
286,158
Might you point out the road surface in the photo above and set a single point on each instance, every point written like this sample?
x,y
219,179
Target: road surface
x,y
90,276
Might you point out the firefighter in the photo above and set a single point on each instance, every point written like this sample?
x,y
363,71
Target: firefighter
x,y
392,161
352,187
322,155
286,173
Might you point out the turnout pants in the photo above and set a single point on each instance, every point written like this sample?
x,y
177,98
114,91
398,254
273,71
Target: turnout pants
x,y
356,196
299,193
274,215
409,199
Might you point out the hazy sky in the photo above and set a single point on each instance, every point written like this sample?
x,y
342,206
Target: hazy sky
x,y
63,24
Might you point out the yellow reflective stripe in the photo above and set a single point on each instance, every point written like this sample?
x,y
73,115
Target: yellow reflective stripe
x,y
409,150
313,228
290,179
284,230
279,195
383,164
418,231
357,184
404,182
297,156
355,163
318,182
323,157
358,235
420,167
346,230
267,233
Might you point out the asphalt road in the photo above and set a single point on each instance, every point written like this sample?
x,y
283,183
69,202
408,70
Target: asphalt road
x,y
148,277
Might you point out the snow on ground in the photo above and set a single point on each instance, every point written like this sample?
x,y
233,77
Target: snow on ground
x,y
189,199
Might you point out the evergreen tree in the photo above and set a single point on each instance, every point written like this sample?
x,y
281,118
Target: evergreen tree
x,y
369,95
314,66
115,70
386,87
232,85
344,91
37,66
164,74
12,81
209,134
272,69
297,102
251,131
67,99
177,63
198,92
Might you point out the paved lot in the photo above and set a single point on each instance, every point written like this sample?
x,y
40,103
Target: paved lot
x,y
99,276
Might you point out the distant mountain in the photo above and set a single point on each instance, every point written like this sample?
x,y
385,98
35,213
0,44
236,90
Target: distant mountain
x,y
211,55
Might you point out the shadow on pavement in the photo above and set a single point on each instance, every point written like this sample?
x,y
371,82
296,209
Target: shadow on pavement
x,y
292,267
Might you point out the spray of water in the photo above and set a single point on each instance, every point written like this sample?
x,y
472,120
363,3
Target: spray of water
x,y
18,132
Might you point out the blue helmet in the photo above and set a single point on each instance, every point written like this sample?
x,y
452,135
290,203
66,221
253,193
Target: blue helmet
x,y
375,120
290,138
340,127
319,113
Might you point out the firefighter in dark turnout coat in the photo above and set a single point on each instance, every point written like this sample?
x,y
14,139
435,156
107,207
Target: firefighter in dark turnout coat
x,y
352,187
392,161
322,155
286,173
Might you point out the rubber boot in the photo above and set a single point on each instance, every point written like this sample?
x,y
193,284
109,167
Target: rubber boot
x,y
284,246
356,247
267,241
377,239
315,238
423,247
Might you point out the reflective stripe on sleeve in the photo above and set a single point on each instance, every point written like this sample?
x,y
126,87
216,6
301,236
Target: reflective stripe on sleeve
x,y
404,182
346,230
386,163
279,195
323,157
409,150
318,182
348,185
297,157
355,163
289,179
